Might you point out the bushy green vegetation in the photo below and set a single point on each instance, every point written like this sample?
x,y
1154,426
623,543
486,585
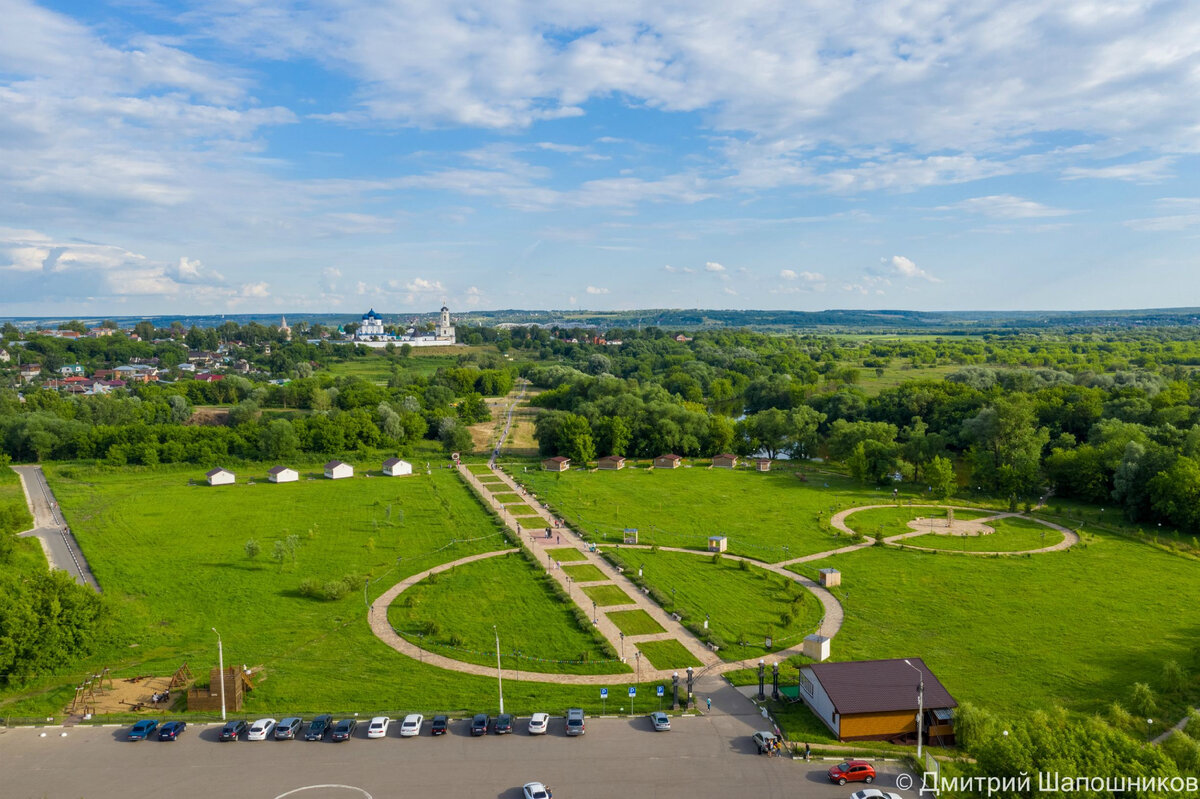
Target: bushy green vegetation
x,y
667,654
743,603
635,622
540,631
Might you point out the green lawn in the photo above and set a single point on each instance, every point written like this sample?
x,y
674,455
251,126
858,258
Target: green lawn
x,y
566,554
497,487
668,654
606,595
894,520
1013,534
377,366
741,604
509,498
171,561
760,513
481,470
12,497
1074,628
635,622
587,573
521,510
454,615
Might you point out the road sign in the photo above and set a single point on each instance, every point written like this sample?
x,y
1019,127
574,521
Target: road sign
x,y
661,690
632,690
604,693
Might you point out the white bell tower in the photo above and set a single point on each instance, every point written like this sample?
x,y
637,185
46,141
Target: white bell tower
x,y
445,331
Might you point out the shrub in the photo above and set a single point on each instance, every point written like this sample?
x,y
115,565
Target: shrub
x,y
455,639
252,549
333,590
1141,699
309,588
1173,677
715,559
744,565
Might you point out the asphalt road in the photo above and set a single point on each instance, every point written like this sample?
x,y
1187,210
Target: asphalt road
x,y
61,548
701,757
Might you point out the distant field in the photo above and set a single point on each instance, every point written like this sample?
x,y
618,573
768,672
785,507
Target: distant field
x,y
897,374
377,367
772,516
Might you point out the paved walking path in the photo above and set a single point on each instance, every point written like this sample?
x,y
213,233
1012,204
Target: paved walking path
x,y
50,528
1177,728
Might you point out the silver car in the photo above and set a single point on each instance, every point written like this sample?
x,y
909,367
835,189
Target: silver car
x,y
662,722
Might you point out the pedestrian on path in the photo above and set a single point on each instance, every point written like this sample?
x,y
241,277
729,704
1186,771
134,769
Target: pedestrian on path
x,y
708,700
807,752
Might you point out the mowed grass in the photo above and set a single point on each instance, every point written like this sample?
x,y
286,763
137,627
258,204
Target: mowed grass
x,y
454,612
606,595
773,516
586,573
1013,534
1076,628
668,654
509,498
894,520
171,561
742,604
635,622
521,510
11,496
566,554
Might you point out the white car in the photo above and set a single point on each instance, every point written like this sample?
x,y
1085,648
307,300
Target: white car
x,y
539,723
378,728
411,725
535,790
874,793
261,730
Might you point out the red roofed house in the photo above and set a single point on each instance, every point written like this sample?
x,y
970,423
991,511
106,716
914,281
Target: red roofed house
x,y
667,462
556,464
611,462
724,461
763,464
876,700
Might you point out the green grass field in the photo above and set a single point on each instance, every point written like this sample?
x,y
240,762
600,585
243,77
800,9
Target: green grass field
x,y
522,510
506,499
1074,628
787,517
586,573
606,595
1013,534
894,520
668,654
507,592
377,366
635,622
741,604
481,470
171,561
566,554
497,487
11,496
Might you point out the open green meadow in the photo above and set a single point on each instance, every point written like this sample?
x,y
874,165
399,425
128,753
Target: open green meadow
x,y
522,510
585,573
668,654
12,499
635,622
377,365
742,603
1076,628
606,595
454,612
769,516
172,561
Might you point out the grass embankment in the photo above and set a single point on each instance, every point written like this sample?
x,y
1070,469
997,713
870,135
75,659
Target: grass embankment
x,y
453,614
741,603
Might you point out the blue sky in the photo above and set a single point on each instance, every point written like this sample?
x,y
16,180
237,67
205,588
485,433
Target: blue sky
x,y
335,155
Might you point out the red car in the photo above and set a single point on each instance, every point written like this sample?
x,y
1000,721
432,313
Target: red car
x,y
852,771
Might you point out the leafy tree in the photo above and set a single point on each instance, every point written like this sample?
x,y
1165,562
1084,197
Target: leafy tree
x,y
252,548
1006,449
939,474
278,440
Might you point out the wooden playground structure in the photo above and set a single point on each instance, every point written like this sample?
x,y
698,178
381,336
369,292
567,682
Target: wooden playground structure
x,y
102,693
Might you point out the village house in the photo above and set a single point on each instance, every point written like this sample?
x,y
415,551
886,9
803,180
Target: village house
x,y
29,371
336,470
69,369
668,462
556,464
611,463
219,477
394,467
4,356
725,461
282,474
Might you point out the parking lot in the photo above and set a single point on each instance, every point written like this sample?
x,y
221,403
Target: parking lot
x,y
700,757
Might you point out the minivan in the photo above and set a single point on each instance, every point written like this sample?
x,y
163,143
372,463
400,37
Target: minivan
x,y
575,722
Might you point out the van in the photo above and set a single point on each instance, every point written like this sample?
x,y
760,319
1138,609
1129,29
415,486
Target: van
x,y
575,722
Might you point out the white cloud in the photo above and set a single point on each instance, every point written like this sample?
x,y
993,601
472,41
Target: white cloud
x,y
596,290
713,266
679,270
1155,170
474,297
1178,213
420,285
1006,206
329,278
907,269
256,290
787,274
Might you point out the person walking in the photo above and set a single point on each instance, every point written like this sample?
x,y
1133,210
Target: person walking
x,y
807,752
708,701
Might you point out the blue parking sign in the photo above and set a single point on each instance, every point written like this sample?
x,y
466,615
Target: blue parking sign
x,y
660,690
604,693
632,691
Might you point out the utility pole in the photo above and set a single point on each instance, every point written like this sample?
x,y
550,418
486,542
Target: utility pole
x,y
920,705
499,674
221,669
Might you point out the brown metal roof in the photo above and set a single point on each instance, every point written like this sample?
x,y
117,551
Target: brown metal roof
x,y
878,686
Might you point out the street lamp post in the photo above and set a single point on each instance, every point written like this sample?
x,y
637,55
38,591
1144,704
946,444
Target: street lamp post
x,y
499,674
691,678
221,670
622,647
762,666
675,690
920,704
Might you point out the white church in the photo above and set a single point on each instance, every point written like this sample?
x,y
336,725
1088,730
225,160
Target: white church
x,y
371,332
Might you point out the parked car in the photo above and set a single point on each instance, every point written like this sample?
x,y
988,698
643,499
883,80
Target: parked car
x,y
661,721
503,725
142,730
318,727
539,723
261,730
536,790
288,729
765,741
852,771
576,722
412,725
232,730
479,724
874,793
343,730
171,730
440,725
378,728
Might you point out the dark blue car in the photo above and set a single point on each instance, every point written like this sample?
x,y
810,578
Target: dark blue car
x,y
142,730
171,730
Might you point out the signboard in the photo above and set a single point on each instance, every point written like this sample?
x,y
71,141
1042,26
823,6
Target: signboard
x,y
604,693
632,691
661,690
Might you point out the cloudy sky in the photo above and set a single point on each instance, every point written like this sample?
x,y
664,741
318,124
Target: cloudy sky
x,y
331,155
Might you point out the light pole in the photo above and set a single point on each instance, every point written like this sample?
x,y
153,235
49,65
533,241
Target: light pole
x,y
221,670
595,618
622,647
637,657
499,674
920,704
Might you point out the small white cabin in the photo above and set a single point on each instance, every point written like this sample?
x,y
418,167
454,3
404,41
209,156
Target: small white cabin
x,y
219,477
336,470
394,467
282,474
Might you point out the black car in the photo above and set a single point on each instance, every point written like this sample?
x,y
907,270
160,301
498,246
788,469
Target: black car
x,y
232,730
479,724
170,731
440,725
287,729
318,727
344,730
503,725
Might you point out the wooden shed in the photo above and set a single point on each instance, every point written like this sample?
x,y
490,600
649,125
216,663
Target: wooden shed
x,y
816,647
209,699
556,464
219,477
336,470
611,462
668,462
763,464
717,543
394,467
282,474
725,461
830,577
